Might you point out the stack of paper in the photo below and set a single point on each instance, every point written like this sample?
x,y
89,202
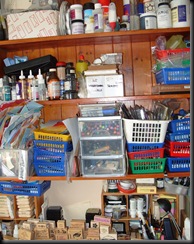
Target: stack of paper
x,y
6,206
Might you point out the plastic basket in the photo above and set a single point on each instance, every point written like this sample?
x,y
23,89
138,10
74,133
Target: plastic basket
x,y
175,189
160,54
173,76
177,149
179,125
150,131
136,147
178,164
147,166
28,189
39,135
155,153
180,137
53,146
48,163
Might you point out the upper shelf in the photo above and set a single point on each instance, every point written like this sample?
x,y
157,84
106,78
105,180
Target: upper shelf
x,y
92,38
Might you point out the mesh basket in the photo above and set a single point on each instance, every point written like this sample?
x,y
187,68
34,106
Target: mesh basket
x,y
136,147
147,166
177,149
181,137
28,189
145,131
155,153
178,164
179,125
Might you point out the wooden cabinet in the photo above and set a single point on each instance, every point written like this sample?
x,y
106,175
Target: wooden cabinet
x,y
151,198
136,48
38,201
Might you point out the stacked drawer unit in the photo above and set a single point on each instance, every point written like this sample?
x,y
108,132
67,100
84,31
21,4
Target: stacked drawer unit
x,y
145,145
102,146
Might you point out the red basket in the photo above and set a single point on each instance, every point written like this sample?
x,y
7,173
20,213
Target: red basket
x,y
154,153
177,149
160,54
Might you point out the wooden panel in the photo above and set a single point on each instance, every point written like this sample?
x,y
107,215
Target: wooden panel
x,y
141,68
87,51
67,54
52,112
69,111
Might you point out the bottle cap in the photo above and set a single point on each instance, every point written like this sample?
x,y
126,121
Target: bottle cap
x,y
22,75
30,76
40,77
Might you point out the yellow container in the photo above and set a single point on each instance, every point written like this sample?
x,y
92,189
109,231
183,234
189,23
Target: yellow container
x,y
39,135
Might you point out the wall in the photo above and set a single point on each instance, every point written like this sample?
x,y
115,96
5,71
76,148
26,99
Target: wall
x,y
75,197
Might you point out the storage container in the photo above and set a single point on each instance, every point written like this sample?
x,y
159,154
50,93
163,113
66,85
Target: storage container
x,y
162,54
102,127
142,131
16,163
173,76
107,147
29,189
154,153
103,166
178,164
175,189
178,136
177,149
41,135
147,166
136,147
179,125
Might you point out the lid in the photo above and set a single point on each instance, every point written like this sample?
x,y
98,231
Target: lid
x,y
149,14
125,17
30,76
81,57
22,75
164,3
76,6
40,77
69,64
97,5
58,64
77,20
88,6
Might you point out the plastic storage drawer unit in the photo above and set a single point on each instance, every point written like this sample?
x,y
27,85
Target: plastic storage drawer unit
x,y
100,126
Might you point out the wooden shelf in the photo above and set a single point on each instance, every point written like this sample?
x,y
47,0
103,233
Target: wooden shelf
x,y
88,38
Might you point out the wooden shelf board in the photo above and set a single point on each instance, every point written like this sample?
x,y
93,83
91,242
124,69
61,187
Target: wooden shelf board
x,y
88,38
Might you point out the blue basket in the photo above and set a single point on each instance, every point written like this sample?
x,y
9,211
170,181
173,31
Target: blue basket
x,y
173,76
48,163
54,146
28,189
178,136
179,125
178,164
136,147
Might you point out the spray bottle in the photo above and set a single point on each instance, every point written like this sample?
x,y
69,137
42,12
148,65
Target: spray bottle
x,y
41,86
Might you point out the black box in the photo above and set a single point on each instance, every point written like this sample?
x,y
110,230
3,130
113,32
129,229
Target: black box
x,y
44,63
54,213
90,213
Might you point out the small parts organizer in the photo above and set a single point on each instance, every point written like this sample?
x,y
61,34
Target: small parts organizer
x,y
145,145
177,145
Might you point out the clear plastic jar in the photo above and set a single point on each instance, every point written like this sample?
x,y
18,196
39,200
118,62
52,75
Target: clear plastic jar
x,y
164,16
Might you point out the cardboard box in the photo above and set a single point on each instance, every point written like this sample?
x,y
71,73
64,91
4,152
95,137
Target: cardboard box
x,y
104,85
32,24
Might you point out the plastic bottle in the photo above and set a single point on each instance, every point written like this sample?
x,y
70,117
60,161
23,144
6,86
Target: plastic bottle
x,y
6,89
41,86
15,231
81,65
13,87
34,89
125,21
61,74
98,18
29,86
134,17
112,15
23,81
164,16
88,17
53,85
1,89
